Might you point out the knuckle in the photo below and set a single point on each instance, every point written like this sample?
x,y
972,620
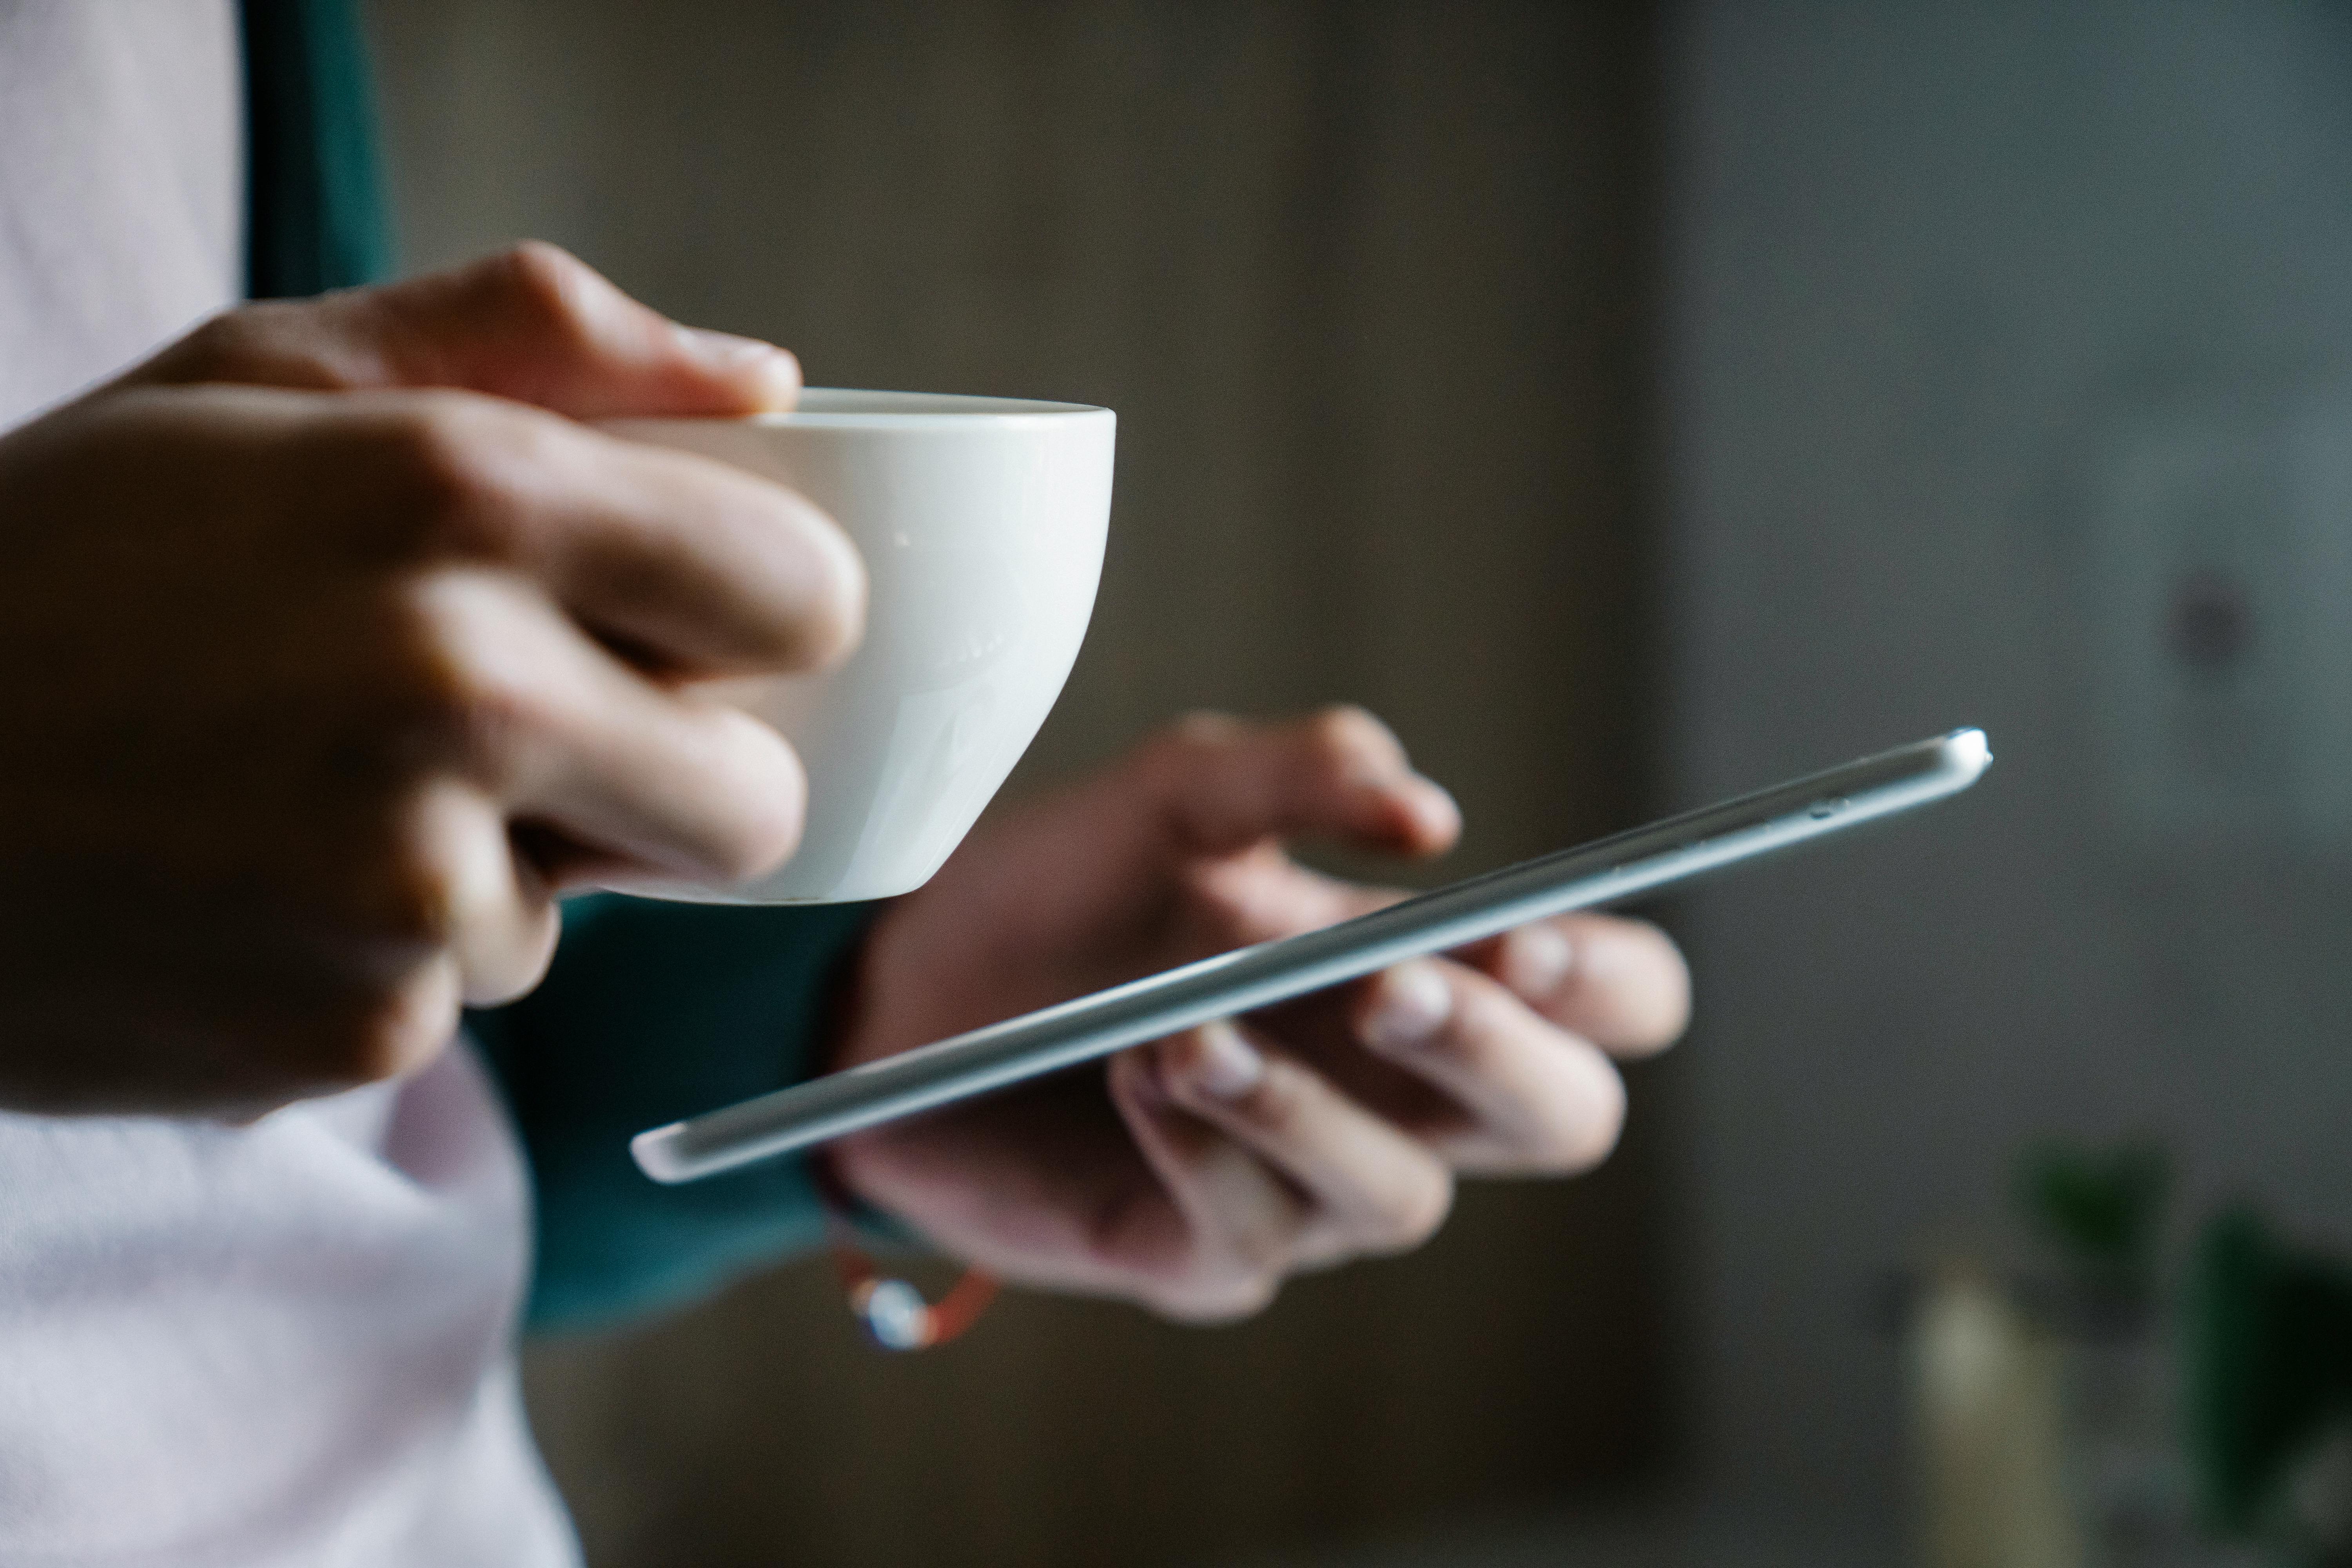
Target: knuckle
x,y
1461,1046
1186,741
453,461
469,702
217,350
1201,726
482,713
548,288
1280,1103
270,343
1179,1060
1468,1037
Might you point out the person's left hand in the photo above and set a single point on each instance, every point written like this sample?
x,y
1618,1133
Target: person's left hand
x,y
1194,1174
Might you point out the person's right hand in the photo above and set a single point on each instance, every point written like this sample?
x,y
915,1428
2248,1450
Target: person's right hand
x,y
332,648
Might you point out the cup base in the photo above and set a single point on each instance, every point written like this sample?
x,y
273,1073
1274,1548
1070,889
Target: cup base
x,y
754,898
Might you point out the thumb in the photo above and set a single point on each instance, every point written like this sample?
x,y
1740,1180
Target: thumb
x,y
1220,785
533,323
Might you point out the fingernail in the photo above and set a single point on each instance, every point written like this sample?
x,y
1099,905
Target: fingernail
x,y
1414,1004
1225,1066
1541,959
776,372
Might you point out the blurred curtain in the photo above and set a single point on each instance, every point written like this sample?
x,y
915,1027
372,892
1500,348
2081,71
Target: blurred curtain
x,y
1369,286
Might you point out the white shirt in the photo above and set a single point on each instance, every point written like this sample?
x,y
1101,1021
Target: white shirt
x,y
290,1344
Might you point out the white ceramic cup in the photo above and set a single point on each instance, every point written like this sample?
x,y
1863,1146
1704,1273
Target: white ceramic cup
x,y
982,520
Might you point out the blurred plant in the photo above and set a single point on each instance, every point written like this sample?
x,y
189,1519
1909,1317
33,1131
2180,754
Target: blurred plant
x,y
2100,1211
2249,1446
2103,1208
2267,1332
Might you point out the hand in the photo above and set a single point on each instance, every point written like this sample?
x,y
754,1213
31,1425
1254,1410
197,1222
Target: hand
x,y
1194,1174
321,687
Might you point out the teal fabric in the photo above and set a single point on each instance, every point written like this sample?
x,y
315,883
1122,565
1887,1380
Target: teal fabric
x,y
318,219
651,1011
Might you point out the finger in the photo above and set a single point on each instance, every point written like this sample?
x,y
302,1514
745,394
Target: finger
x,y
1264,895
500,914
566,737
1537,1097
1242,1226
696,568
531,323
1375,1189
1221,784
1621,983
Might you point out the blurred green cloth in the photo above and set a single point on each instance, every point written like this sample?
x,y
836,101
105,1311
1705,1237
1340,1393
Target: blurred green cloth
x,y
653,1011
316,216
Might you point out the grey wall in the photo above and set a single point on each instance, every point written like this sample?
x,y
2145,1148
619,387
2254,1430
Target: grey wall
x,y
1926,260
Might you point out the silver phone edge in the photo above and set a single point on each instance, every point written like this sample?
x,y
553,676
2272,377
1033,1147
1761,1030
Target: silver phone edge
x,y
1023,1048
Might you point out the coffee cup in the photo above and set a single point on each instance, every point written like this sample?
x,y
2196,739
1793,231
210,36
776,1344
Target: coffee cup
x,y
982,522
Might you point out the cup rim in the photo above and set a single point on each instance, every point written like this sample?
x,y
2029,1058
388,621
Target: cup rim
x,y
838,407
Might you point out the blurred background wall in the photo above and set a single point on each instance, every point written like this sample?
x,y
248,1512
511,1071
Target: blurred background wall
x,y
1634,404
2003,339
1368,286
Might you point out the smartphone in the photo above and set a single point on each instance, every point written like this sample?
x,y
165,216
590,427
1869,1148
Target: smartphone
x,y
1607,871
